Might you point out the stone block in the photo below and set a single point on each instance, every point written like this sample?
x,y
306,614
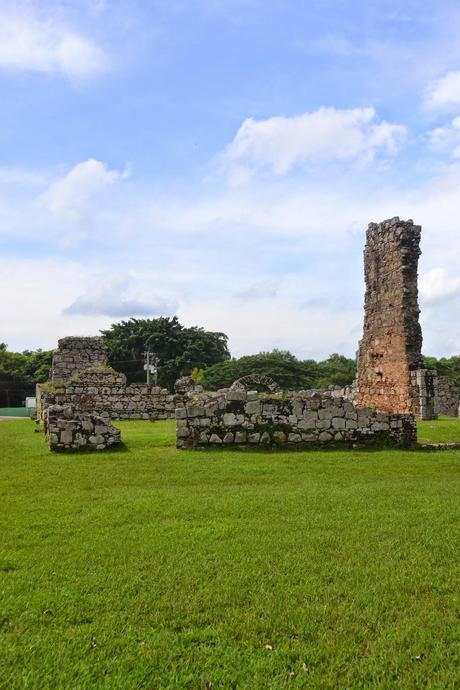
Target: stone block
x,y
240,437
325,414
338,423
309,438
324,424
325,436
236,395
66,437
215,439
182,432
195,411
308,422
253,407
254,438
229,437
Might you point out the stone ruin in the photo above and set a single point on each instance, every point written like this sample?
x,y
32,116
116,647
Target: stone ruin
x,y
297,419
84,385
391,374
392,388
68,429
448,397
75,354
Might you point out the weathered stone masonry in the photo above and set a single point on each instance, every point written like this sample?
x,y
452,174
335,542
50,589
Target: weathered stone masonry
x,y
391,375
297,419
68,429
448,397
104,391
75,354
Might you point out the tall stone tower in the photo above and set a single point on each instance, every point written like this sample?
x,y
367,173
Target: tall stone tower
x,y
391,375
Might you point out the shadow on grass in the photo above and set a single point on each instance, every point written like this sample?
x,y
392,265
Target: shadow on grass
x,y
113,450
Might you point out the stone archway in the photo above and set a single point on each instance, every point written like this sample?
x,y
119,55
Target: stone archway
x,y
253,380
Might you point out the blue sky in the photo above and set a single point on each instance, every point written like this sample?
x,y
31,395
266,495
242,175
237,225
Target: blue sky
x,y
220,159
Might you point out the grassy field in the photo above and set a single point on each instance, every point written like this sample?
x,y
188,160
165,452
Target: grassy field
x,y
151,568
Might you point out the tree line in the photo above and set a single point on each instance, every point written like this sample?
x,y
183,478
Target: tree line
x,y
183,351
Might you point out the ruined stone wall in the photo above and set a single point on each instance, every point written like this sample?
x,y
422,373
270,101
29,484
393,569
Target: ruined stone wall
x,y
448,397
105,392
75,354
241,418
391,346
69,429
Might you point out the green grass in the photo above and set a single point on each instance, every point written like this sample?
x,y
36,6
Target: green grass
x,y
147,567
444,429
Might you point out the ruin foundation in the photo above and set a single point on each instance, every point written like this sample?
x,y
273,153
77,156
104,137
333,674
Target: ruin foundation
x,y
69,429
294,419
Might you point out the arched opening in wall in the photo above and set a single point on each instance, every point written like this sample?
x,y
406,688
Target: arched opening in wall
x,y
258,382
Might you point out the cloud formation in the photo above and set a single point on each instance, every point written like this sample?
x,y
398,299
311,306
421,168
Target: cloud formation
x,y
113,298
265,289
279,144
444,92
36,44
70,196
446,139
437,286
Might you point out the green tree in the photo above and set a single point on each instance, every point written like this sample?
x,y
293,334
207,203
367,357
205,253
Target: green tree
x,y
336,370
282,366
445,366
179,349
19,372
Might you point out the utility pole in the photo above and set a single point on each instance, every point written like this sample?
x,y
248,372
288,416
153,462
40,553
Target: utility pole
x,y
151,365
147,364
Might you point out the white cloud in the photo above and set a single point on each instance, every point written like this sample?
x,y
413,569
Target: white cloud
x,y
70,196
37,44
281,143
265,289
16,176
447,138
114,298
260,326
437,285
444,92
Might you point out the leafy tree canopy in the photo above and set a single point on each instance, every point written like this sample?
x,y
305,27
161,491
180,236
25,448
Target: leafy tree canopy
x,y
179,349
19,372
446,366
288,371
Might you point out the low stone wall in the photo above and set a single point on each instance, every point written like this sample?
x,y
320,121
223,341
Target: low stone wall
x,y
448,397
241,418
76,353
104,391
68,429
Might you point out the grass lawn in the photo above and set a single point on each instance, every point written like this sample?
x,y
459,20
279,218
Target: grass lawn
x,y
444,429
148,567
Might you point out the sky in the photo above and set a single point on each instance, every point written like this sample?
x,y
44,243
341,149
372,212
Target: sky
x,y
221,160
